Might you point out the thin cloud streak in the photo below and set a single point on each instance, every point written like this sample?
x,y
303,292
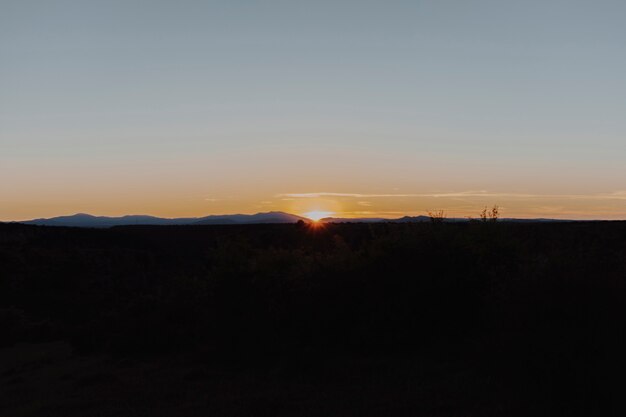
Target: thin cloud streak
x,y
618,195
349,195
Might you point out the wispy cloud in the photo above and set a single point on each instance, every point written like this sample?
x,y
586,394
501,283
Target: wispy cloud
x,y
369,213
347,195
617,195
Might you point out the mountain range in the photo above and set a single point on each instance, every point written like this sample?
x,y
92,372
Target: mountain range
x,y
87,220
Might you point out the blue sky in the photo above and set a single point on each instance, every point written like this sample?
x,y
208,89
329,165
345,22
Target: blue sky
x,y
200,107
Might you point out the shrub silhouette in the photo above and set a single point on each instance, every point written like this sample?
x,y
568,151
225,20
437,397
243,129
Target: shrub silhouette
x,y
438,216
490,215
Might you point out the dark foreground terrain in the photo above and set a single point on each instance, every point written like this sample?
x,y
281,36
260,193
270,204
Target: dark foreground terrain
x,y
475,319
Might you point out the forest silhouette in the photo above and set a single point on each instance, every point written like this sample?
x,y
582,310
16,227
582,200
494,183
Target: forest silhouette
x,y
480,318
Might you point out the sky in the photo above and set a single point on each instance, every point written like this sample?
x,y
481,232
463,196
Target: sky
x,y
356,108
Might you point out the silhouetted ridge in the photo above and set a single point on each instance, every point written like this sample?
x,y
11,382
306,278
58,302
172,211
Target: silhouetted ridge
x,y
87,220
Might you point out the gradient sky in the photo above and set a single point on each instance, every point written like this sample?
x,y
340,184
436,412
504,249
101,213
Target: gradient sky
x,y
362,108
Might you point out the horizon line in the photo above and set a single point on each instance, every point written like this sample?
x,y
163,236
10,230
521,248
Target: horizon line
x,y
335,215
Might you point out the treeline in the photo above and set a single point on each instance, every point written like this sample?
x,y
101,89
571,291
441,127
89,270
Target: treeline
x,y
539,307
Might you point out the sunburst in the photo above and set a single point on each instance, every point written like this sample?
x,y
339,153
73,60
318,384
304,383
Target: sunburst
x,y
317,215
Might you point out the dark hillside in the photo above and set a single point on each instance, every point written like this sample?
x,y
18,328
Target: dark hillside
x,y
398,319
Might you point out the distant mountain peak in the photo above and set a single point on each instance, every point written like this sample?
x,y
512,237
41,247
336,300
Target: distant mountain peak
x,y
89,220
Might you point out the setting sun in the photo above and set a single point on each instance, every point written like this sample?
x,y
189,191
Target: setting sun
x,y
318,215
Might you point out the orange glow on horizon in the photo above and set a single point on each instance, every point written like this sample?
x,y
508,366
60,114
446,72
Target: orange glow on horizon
x,y
318,215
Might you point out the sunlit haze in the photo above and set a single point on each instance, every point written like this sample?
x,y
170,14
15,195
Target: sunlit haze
x,y
342,108
318,215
